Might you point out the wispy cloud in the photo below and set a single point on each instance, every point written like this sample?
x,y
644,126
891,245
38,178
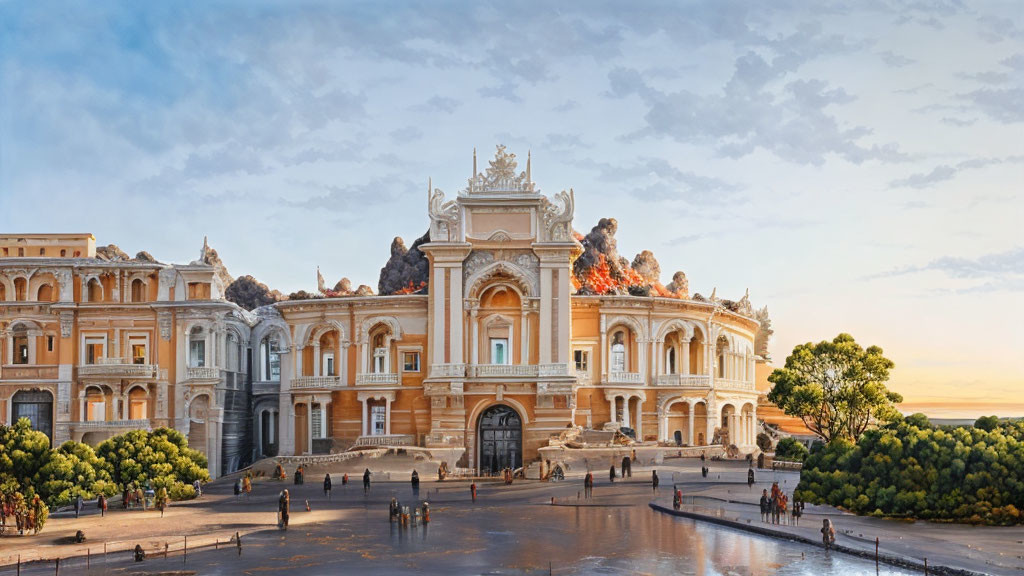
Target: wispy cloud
x,y
944,172
999,271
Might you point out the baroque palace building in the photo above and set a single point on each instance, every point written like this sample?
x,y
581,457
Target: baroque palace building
x,y
497,346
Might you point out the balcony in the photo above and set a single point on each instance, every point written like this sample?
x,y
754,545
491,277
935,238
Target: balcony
x,y
625,378
142,424
447,370
555,370
685,380
28,372
387,440
316,383
266,387
117,368
202,373
377,379
502,371
727,384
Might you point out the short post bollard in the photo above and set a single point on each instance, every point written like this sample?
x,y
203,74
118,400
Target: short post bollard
x,y
876,551
88,558
238,540
56,566
472,490
925,567
184,556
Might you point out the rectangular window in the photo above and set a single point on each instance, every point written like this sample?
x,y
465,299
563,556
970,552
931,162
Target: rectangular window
x,y
328,365
138,353
380,360
49,343
137,410
42,251
499,351
411,362
21,350
378,420
197,353
582,358
94,350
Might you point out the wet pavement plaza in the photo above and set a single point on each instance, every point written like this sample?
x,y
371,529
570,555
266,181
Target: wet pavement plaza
x,y
509,530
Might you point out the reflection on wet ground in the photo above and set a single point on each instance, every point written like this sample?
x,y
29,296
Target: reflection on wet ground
x,y
511,531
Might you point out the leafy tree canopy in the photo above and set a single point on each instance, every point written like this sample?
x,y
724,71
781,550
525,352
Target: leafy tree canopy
x,y
836,387
987,423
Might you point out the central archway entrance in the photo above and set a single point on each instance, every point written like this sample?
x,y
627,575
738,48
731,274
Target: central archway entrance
x,y
501,440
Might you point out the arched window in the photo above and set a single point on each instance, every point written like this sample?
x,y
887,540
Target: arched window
x,y
20,289
45,293
196,348
138,404
380,353
94,291
672,360
95,404
138,290
618,352
21,349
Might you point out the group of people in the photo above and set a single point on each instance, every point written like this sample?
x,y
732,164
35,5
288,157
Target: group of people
x,y
406,517
775,507
508,475
19,515
134,497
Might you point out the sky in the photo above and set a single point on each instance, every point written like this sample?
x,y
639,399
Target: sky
x,y
857,165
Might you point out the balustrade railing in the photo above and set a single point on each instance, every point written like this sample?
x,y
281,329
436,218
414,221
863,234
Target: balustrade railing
x,y
118,367
140,424
514,370
202,372
377,378
387,440
447,370
685,380
306,382
626,377
728,384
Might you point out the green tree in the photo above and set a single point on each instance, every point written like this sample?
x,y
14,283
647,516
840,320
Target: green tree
x,y
837,388
987,423
23,451
161,457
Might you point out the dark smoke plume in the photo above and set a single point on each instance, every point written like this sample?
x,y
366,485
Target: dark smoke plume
x,y
406,268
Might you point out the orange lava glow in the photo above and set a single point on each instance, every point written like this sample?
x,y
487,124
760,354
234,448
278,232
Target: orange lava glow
x,y
412,289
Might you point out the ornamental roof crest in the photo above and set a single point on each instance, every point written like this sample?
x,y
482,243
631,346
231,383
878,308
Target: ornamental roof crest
x,y
500,176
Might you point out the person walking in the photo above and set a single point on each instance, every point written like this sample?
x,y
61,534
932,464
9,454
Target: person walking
x,y
246,486
79,503
828,533
627,467
283,505
366,481
101,503
198,487
750,477
588,485
238,488
162,500
415,482
611,474
702,456
327,486
654,480
704,471
765,503
677,499
797,511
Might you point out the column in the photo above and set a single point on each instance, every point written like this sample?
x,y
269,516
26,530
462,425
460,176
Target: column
x,y
659,358
387,416
366,417
639,422
455,316
475,345
298,360
316,359
81,406
689,438
625,411
614,402
642,350
604,349
115,401
753,419
524,337
309,425
437,291
324,412
684,357
342,362
564,321
545,314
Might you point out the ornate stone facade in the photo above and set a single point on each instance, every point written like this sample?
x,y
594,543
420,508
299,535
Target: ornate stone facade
x,y
499,356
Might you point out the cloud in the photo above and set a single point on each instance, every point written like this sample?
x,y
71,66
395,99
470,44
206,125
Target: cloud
x,y
999,271
655,179
944,172
567,106
440,104
895,60
1004,101
684,239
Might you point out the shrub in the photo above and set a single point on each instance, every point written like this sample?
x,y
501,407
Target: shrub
x,y
912,469
790,449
